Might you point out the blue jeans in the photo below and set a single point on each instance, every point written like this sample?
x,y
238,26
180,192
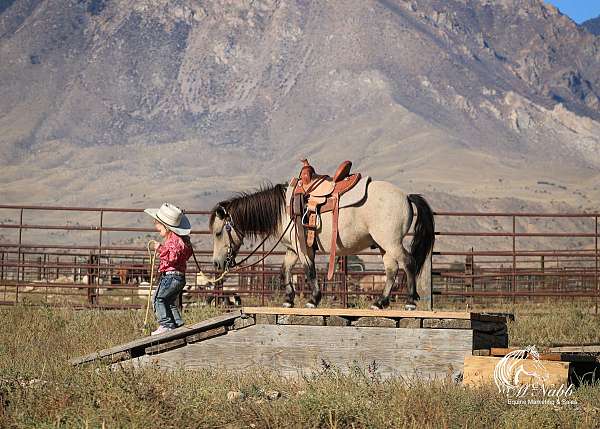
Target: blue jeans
x,y
165,301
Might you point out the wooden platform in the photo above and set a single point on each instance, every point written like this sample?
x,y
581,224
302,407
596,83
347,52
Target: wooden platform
x,y
425,344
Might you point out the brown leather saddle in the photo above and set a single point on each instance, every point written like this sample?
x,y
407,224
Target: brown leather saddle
x,y
314,194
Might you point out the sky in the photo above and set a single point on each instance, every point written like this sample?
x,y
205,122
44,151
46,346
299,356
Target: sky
x,y
578,10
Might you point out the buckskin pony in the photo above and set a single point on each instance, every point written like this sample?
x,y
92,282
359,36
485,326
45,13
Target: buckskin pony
x,y
349,218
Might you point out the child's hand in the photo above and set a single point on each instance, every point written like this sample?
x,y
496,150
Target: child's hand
x,y
154,244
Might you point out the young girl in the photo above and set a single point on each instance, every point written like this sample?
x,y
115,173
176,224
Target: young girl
x,y
174,227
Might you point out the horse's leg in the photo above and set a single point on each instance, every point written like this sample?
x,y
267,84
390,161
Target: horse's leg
x,y
407,263
311,276
390,263
286,277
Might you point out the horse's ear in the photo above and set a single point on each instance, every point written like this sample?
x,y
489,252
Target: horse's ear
x,y
221,212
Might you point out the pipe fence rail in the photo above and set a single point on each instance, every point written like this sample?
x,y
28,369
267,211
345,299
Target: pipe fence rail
x,y
97,257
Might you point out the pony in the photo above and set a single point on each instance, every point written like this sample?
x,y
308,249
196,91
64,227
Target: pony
x,y
381,220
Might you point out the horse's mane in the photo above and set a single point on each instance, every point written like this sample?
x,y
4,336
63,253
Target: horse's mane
x,y
256,214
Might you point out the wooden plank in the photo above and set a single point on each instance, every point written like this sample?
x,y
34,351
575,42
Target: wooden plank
x,y
479,370
326,337
352,312
577,349
502,351
296,349
137,347
200,336
163,347
549,355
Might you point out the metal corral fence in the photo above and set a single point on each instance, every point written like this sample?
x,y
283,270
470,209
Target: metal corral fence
x,y
97,257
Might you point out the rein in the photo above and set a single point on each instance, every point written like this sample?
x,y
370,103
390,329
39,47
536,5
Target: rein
x,y
239,267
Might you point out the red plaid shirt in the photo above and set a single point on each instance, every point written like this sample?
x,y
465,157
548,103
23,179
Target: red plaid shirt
x,y
173,254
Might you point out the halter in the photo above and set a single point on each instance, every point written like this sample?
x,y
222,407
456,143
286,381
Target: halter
x,y
232,250
232,247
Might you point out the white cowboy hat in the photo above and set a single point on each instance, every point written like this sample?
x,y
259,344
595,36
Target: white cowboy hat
x,y
172,217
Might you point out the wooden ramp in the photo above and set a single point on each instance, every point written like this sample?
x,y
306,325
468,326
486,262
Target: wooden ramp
x,y
426,344
155,344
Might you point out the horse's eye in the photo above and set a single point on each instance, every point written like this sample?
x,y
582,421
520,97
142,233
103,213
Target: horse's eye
x,y
218,234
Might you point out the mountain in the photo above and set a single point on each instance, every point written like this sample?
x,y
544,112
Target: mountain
x,y
592,25
474,103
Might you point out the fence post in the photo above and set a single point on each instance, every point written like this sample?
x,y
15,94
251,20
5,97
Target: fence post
x,y
262,282
345,281
596,259
425,284
469,276
91,279
2,274
19,256
514,255
23,265
543,269
99,274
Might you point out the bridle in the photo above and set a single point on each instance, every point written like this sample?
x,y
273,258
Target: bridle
x,y
233,247
232,250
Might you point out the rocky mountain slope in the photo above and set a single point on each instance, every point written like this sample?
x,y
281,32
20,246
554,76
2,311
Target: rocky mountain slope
x,y
474,103
592,25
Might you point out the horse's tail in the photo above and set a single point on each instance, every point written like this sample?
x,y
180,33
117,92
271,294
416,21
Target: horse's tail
x,y
424,232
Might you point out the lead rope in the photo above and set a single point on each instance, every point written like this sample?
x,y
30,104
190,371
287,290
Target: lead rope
x,y
204,276
146,328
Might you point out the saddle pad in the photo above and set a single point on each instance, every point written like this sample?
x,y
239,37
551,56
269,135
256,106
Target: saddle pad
x,y
357,194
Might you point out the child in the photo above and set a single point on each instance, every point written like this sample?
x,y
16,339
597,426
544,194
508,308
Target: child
x,y
174,227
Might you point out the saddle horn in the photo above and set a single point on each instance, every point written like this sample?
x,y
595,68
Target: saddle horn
x,y
307,172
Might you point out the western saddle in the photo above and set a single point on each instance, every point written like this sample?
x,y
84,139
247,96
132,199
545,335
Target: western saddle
x,y
314,194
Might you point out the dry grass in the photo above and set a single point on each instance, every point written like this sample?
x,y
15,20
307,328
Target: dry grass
x,y
39,389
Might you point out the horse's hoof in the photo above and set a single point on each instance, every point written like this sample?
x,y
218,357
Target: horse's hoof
x,y
310,305
380,303
287,305
410,307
